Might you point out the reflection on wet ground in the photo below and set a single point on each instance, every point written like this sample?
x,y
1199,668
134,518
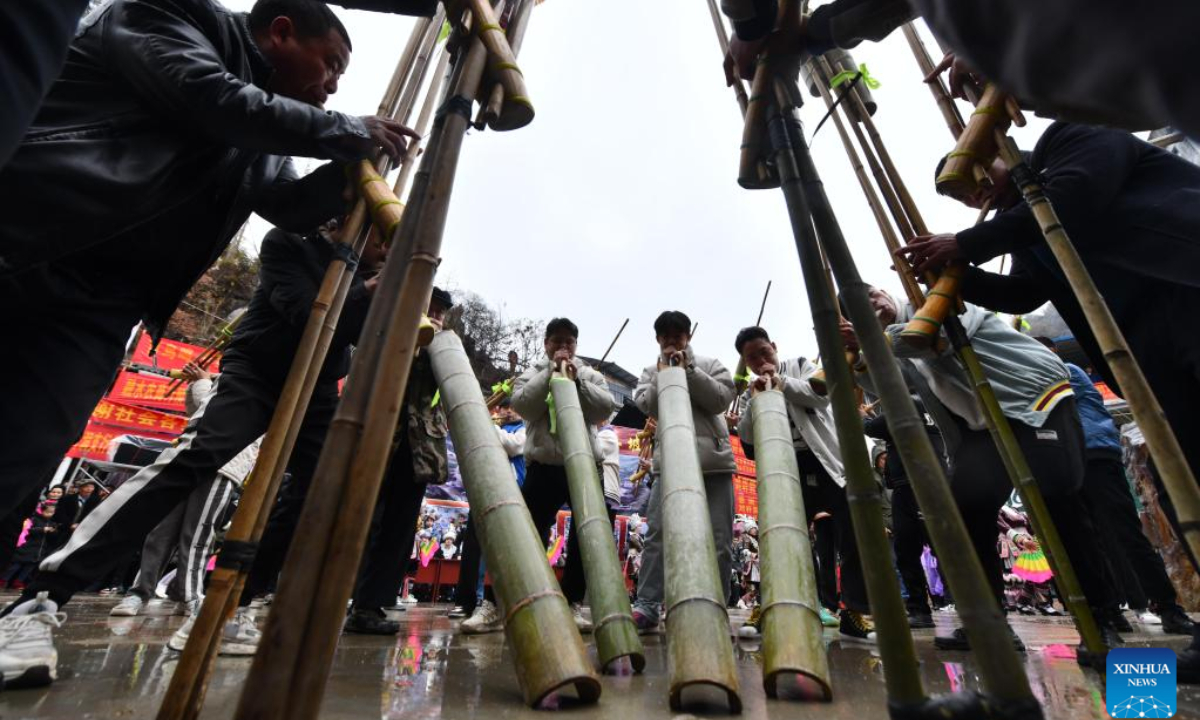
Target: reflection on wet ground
x,y
119,668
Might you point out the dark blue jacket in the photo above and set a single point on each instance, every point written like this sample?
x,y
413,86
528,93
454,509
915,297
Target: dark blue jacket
x,y
1099,430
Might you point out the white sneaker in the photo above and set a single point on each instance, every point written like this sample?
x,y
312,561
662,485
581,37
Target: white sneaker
x,y
27,654
1149,618
240,637
130,606
581,621
486,619
409,600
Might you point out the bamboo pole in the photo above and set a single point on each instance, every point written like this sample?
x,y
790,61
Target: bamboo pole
x,y
491,112
615,631
739,90
185,696
945,103
547,649
1000,666
791,619
741,376
1164,447
753,172
517,111
210,352
698,649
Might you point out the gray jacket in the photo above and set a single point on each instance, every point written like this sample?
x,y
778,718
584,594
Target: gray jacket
x,y
1029,380
529,399
810,414
711,388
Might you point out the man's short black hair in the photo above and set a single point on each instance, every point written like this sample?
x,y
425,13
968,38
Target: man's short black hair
x,y
312,18
563,326
442,297
672,321
747,334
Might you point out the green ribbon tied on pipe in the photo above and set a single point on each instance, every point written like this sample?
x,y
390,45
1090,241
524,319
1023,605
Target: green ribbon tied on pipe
x,y
503,386
437,398
743,378
851,75
445,31
553,414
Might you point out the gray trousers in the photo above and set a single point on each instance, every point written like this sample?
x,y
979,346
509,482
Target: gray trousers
x,y
187,532
719,489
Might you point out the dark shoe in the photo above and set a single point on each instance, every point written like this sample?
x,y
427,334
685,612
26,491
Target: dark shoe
x,y
370,622
856,627
1118,621
647,621
1174,620
958,641
920,620
1096,661
1187,666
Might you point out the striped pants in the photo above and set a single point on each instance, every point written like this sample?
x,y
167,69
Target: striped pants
x,y
187,533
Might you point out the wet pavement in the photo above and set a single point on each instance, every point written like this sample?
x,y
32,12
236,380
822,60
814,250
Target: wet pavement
x,y
120,667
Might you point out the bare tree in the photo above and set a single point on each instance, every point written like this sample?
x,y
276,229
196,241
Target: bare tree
x,y
488,338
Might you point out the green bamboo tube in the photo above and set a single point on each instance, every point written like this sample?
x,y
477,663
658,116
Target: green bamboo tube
x,y
999,664
698,648
546,647
274,665
615,632
517,111
1022,478
791,618
1164,447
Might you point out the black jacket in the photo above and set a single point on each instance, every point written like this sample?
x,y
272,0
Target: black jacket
x,y
158,141
894,474
292,267
1131,210
38,543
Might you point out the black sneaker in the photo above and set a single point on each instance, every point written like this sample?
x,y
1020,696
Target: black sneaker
x,y
856,627
1096,661
1174,620
920,620
370,622
958,641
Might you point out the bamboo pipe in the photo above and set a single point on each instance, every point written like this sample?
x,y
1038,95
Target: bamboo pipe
x,y
976,147
432,98
387,105
615,631
753,172
698,649
547,649
284,654
186,693
210,352
791,620
1164,447
421,63
904,686
518,109
945,103
999,664
493,109
739,90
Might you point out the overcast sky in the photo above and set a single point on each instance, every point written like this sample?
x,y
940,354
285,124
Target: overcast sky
x,y
620,199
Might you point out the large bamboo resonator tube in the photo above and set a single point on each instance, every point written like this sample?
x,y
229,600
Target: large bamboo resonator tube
x,y
615,632
698,648
791,613
517,109
975,147
546,646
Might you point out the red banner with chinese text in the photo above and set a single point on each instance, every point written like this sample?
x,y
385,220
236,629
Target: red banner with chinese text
x,y
171,355
139,420
96,438
147,390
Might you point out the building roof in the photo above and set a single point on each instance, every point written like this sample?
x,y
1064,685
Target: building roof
x,y
612,370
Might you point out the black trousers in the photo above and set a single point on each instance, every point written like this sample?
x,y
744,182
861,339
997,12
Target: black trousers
x,y
545,492
68,331
466,592
823,494
825,562
1124,543
393,530
909,540
237,415
1054,451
